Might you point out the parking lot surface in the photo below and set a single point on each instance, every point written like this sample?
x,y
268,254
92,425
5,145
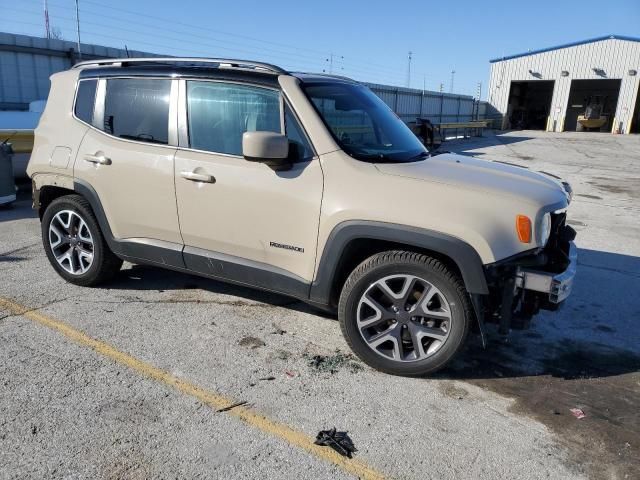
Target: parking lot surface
x,y
141,378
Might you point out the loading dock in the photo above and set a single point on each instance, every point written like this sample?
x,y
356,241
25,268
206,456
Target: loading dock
x,y
592,96
530,104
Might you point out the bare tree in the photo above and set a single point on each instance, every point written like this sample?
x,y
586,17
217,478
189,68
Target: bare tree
x,y
56,33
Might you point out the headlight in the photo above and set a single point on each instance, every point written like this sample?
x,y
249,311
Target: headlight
x,y
544,229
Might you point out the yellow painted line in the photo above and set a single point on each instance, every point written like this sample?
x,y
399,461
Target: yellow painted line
x,y
214,400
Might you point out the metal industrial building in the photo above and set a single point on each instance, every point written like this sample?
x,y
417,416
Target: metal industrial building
x,y
559,88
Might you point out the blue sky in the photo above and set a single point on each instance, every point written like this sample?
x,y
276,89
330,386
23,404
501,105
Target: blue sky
x,y
370,40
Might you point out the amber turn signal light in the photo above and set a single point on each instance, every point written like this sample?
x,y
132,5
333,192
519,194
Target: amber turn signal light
x,y
523,227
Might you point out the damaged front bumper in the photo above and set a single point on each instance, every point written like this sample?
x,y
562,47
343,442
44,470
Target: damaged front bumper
x,y
556,285
521,286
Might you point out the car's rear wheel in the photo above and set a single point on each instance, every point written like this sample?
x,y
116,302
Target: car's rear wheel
x,y
404,313
74,243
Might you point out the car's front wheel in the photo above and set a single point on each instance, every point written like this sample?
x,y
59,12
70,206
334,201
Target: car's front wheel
x,y
74,243
404,313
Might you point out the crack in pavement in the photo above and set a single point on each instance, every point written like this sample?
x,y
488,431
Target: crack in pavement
x,y
10,252
232,303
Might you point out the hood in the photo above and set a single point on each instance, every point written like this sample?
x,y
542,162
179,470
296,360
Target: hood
x,y
475,174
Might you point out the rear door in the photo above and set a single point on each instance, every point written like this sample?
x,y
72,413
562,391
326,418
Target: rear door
x,y
246,218
126,158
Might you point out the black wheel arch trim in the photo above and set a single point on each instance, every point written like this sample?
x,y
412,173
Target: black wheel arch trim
x,y
461,253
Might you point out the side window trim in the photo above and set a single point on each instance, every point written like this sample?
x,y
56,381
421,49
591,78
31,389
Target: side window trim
x,y
98,109
183,128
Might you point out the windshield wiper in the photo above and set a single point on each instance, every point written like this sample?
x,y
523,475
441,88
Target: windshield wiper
x,y
420,156
380,157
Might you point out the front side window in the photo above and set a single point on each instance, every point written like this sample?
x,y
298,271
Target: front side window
x,y
85,99
363,125
138,109
219,113
299,147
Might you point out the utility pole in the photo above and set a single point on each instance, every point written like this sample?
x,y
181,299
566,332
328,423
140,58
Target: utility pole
x,y
441,87
47,28
330,61
409,70
479,91
453,74
78,29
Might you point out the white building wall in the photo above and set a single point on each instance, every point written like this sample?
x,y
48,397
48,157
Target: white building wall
x,y
615,56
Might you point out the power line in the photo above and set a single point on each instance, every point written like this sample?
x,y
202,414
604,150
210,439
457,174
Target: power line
x,y
356,71
358,65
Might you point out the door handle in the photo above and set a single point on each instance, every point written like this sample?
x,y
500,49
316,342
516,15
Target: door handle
x,y
99,159
198,177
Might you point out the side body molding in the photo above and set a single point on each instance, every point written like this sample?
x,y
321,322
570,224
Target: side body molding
x,y
463,254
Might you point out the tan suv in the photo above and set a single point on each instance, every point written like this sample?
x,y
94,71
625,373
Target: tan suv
x,y
305,185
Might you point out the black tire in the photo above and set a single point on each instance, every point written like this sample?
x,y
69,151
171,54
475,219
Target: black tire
x,y
105,264
389,263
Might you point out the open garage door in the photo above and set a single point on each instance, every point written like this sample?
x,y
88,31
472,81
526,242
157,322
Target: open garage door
x,y
635,120
592,105
530,104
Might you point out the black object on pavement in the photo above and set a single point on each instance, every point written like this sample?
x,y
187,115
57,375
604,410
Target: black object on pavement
x,y
339,441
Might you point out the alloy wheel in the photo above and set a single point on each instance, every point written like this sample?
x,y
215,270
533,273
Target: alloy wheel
x,y
404,318
71,242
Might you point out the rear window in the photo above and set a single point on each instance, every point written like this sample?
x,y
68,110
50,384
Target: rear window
x,y
85,99
138,109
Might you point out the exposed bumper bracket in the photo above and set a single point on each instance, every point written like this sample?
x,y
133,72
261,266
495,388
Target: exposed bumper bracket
x,y
557,285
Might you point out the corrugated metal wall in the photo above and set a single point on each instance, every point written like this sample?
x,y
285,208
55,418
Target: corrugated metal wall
x,y
26,63
438,107
616,57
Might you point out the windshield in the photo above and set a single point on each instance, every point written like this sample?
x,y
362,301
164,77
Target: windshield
x,y
364,126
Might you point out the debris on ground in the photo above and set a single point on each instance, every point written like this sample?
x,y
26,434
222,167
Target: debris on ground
x,y
269,378
339,441
277,329
232,406
251,342
332,363
578,413
289,373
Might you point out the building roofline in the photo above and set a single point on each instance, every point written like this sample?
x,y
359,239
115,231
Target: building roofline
x,y
567,45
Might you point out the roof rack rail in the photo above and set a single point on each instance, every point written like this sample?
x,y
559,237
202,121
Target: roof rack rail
x,y
220,62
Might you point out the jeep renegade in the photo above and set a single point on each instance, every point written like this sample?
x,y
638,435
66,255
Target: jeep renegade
x,y
302,184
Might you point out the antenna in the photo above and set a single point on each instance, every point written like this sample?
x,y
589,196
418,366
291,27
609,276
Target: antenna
x,y
453,74
409,69
47,28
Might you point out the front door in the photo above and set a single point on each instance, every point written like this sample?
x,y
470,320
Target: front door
x,y
243,220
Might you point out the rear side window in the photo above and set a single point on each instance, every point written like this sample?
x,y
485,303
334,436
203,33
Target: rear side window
x,y
219,113
85,99
138,109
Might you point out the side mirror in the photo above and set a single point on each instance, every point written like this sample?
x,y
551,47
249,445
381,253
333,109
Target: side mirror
x,y
266,147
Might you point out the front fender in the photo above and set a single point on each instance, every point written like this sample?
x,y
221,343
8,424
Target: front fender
x,y
464,255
